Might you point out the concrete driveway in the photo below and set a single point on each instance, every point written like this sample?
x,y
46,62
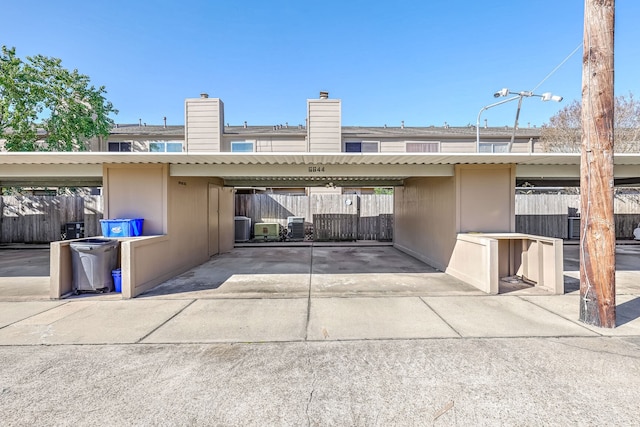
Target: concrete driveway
x,y
24,272
317,336
295,272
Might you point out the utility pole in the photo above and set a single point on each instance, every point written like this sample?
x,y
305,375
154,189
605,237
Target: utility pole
x,y
597,237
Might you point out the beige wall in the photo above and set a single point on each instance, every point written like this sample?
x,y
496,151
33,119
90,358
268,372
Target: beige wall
x,y
137,191
424,224
176,224
204,123
226,220
324,129
485,198
430,212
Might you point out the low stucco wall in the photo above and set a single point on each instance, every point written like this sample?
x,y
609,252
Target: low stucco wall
x,y
61,269
482,259
146,262
475,260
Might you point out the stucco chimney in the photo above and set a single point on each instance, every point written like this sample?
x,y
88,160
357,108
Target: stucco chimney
x,y
204,95
324,95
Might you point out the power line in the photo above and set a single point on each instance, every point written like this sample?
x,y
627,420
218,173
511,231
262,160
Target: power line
x,y
556,69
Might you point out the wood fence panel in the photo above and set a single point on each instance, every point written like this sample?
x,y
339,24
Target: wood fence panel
x,y
360,218
40,219
548,214
335,227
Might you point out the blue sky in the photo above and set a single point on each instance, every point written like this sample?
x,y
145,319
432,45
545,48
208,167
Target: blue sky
x,y
424,62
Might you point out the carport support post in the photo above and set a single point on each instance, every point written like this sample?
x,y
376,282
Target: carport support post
x,y
597,237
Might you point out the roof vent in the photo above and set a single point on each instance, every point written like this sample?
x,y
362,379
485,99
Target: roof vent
x,y
204,95
324,95
402,124
245,124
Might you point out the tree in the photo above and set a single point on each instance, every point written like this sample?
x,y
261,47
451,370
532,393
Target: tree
x,y
563,133
45,107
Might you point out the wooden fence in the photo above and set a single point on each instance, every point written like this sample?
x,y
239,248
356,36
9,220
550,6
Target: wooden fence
x,y
37,219
333,216
40,219
555,215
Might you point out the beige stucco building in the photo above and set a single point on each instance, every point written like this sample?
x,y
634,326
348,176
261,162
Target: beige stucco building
x,y
454,207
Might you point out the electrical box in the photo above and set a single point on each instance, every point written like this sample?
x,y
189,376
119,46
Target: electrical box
x,y
266,231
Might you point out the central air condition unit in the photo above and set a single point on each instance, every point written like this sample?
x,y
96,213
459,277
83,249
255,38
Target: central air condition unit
x,y
295,227
242,228
266,231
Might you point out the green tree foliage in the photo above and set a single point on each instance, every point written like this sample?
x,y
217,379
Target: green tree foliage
x,y
563,133
45,107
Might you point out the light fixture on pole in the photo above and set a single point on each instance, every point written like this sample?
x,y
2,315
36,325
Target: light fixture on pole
x,y
547,96
504,101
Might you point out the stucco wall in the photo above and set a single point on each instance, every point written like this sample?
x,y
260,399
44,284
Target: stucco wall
x,y
176,207
188,221
425,219
430,212
137,191
226,220
485,198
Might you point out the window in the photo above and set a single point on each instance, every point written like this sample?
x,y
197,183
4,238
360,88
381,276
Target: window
x,y
119,146
242,147
422,147
493,147
165,147
361,147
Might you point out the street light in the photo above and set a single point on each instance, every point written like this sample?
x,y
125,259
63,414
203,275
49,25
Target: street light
x,y
504,101
547,96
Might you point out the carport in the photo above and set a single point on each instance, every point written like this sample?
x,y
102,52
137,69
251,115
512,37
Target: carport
x,y
454,212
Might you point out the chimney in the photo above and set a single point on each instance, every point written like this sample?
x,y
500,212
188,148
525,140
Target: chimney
x,y
245,124
402,124
140,123
165,121
324,129
203,123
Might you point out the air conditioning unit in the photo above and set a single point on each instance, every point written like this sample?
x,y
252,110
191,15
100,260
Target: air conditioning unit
x,y
266,231
295,227
574,227
242,228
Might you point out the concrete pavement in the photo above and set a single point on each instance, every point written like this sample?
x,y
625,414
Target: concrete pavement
x,y
309,294
320,342
85,321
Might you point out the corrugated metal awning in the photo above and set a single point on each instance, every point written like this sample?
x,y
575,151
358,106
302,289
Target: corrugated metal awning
x,y
297,169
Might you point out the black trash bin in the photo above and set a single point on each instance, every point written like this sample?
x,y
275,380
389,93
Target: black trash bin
x,y
93,260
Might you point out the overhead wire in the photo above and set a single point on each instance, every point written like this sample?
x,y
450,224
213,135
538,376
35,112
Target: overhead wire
x,y
557,67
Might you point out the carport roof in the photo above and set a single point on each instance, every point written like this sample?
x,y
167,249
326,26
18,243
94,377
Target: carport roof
x,y
295,169
205,158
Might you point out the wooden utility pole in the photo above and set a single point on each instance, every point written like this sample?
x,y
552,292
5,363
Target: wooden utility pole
x,y
597,237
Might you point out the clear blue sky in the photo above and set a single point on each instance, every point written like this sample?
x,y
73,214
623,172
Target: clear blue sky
x,y
424,62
